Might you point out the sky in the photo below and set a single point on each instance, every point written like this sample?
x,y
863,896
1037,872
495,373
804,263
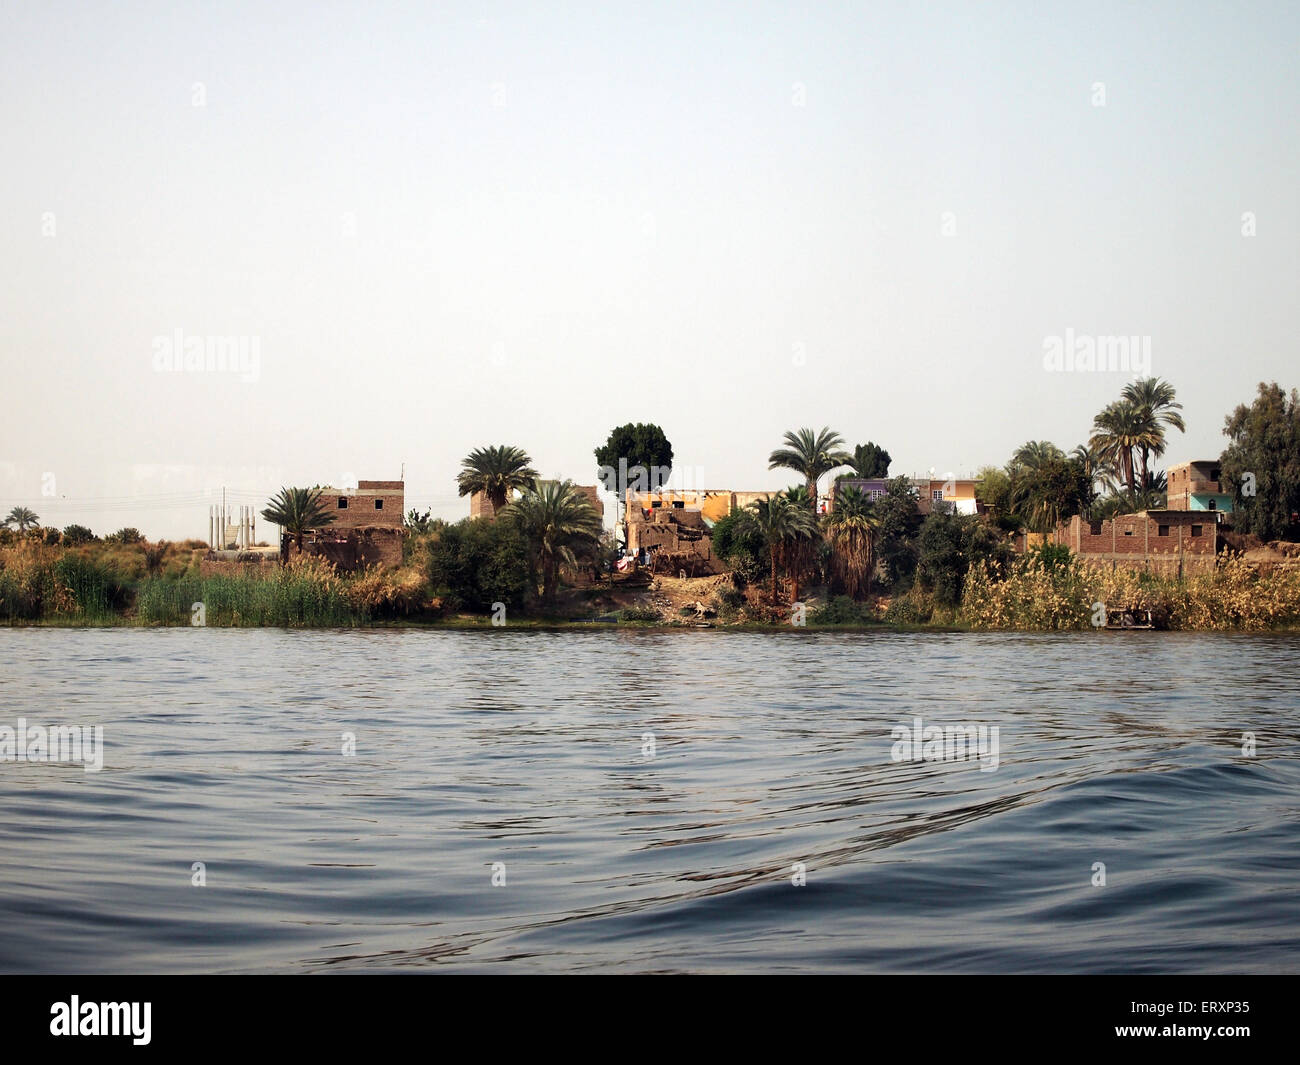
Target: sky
x,y
429,228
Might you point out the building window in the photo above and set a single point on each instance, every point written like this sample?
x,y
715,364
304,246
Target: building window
x,y
1214,474
1212,505
1128,532
343,502
1094,528
1196,530
679,504
379,504
656,504
937,495
1162,530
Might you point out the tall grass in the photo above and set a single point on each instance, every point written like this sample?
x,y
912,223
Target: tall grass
x,y
80,586
307,593
1036,595
304,594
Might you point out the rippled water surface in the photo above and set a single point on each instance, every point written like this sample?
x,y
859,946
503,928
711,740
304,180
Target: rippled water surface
x,y
649,795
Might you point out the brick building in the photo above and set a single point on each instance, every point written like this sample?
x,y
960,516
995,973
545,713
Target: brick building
x,y
1198,486
368,526
1174,543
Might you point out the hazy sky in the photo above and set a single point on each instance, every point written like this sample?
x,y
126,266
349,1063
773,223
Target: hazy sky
x,y
442,226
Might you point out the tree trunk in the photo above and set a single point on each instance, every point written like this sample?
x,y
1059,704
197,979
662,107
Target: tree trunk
x,y
774,574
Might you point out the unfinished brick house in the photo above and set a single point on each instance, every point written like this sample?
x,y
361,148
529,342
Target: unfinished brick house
x,y
367,528
1198,486
1174,543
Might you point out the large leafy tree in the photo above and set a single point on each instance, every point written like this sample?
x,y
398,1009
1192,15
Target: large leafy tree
x,y
851,532
1264,443
810,454
556,519
297,511
898,519
21,519
1156,402
949,544
869,461
636,444
495,471
1057,489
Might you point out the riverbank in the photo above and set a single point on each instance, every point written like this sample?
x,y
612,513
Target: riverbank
x,y
126,587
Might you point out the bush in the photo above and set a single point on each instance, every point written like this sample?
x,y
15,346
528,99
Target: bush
x,y
738,542
128,535
949,544
640,613
478,562
75,535
915,608
843,611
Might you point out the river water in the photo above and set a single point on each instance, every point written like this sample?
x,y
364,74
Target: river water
x,y
646,801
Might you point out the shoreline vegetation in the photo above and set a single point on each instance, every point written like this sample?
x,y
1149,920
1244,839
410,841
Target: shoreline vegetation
x,y
117,586
876,552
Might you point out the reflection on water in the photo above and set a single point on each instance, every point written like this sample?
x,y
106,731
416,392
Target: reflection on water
x,y
646,801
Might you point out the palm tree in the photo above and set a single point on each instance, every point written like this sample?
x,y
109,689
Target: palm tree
x,y
1100,471
851,532
1026,461
555,518
495,471
810,455
1119,431
1034,453
298,510
21,517
783,522
1158,399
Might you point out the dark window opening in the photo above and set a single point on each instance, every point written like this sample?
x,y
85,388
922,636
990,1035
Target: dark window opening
x,y
1214,474
1094,528
1196,530
379,504
679,504
343,502
1128,532
1162,530
1213,505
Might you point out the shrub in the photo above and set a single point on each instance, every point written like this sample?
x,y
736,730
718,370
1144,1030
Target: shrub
x,y
740,544
916,607
477,562
949,544
843,610
127,535
75,535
